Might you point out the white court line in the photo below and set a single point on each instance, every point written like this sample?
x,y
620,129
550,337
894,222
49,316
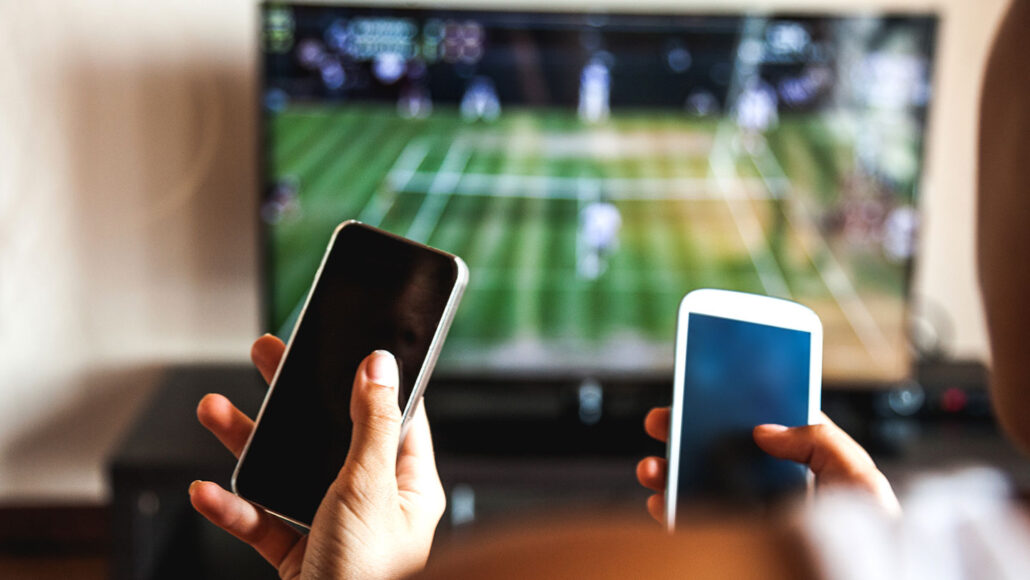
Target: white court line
x,y
376,209
834,276
407,164
748,225
569,188
439,192
629,144
534,281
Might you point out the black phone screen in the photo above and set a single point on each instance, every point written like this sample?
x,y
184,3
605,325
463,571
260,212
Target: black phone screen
x,y
738,375
375,291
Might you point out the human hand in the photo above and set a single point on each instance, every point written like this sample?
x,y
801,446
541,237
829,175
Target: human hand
x,y
380,514
832,455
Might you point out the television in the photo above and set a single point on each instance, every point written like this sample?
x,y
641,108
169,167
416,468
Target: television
x,y
592,167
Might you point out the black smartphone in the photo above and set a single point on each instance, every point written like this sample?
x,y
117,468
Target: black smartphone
x,y
374,290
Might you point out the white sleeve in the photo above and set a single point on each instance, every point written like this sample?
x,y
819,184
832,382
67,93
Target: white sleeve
x,y
961,526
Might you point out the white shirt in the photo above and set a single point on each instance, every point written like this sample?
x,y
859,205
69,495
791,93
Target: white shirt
x,y
961,526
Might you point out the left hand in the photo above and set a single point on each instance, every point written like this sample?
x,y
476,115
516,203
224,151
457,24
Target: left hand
x,y
832,455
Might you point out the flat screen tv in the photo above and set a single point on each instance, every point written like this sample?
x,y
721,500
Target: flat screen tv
x,y
594,167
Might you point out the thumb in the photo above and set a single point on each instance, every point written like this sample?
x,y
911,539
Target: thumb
x,y
834,457
377,418
824,447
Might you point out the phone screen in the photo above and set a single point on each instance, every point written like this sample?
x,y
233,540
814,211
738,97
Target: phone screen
x,y
375,291
738,375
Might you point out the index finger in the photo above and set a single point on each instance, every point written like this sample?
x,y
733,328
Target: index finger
x,y
657,423
266,352
273,538
225,421
416,467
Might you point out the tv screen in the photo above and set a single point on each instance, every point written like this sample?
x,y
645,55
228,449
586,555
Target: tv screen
x,y
592,168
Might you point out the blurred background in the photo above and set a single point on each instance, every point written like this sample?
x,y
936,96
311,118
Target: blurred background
x,y
169,173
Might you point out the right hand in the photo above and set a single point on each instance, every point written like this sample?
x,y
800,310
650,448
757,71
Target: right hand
x,y
832,455
377,519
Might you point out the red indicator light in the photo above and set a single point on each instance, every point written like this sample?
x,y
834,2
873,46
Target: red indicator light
x,y
954,400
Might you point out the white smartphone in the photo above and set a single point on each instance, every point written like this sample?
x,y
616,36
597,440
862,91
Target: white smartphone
x,y
374,290
741,360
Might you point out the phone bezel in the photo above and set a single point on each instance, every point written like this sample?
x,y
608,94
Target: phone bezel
x,y
421,381
745,308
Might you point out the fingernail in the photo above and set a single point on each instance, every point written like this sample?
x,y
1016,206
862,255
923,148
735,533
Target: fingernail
x,y
193,485
774,428
381,369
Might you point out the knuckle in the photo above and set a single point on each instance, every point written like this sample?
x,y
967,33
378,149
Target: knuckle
x,y
438,502
249,534
257,533
367,478
430,505
831,440
868,478
234,524
380,416
290,570
356,487
377,432
821,433
381,412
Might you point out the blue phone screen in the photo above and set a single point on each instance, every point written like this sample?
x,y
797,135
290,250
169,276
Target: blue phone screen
x,y
739,375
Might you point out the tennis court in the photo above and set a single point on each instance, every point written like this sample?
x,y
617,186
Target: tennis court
x,y
695,208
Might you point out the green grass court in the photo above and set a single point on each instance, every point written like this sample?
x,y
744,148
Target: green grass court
x,y
507,196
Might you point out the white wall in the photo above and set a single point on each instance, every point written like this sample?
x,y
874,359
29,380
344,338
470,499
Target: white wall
x,y
126,230
126,200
